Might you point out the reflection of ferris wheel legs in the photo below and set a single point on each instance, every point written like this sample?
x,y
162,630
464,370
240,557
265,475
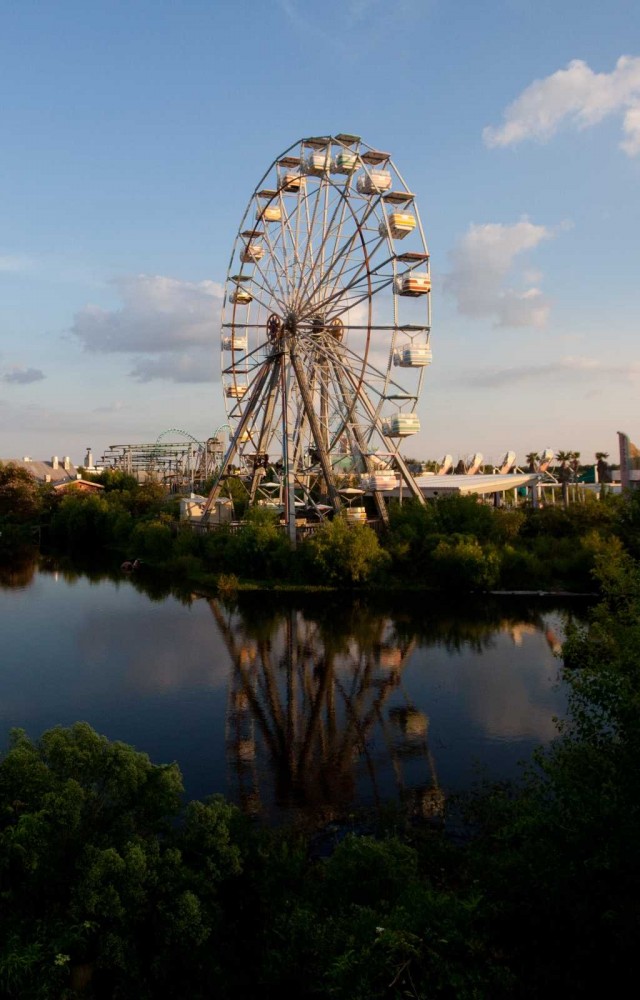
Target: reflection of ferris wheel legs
x,y
307,719
326,327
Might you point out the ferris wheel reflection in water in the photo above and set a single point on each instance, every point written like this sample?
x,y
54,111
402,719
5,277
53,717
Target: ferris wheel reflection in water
x,y
316,721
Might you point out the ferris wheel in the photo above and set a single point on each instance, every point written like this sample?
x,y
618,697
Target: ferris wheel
x,y
326,326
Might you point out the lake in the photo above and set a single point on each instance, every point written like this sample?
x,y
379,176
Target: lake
x,y
291,705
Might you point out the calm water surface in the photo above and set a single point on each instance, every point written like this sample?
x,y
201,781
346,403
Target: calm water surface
x,y
312,704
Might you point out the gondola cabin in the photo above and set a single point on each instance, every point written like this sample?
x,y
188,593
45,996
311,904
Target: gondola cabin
x,y
235,391
375,182
401,425
377,482
345,163
272,213
292,183
413,283
317,164
401,224
251,253
413,356
241,297
356,515
234,343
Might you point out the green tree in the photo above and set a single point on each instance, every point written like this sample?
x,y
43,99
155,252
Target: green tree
x,y
79,820
343,554
22,499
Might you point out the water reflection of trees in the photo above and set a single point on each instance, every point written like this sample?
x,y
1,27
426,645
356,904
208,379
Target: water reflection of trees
x,y
17,568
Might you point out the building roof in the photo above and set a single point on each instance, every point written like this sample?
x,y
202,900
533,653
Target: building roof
x,y
40,470
85,485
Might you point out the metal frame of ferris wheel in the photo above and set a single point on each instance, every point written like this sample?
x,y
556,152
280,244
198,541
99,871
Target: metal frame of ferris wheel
x,y
300,369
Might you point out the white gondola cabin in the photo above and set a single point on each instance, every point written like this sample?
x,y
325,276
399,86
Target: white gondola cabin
x,y
413,356
272,213
345,163
401,425
235,391
401,224
375,182
234,343
379,481
251,253
317,164
241,297
413,283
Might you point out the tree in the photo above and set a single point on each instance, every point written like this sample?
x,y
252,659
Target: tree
x,y
79,821
604,475
342,553
575,464
21,496
564,473
532,461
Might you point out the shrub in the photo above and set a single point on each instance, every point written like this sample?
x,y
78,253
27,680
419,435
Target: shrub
x,y
343,554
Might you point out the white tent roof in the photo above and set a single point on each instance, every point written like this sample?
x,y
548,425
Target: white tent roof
x,y
436,486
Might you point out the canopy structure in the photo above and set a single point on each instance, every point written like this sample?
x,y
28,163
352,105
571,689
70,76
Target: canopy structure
x,y
440,486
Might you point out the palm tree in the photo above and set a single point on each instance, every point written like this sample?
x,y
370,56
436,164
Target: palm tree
x,y
532,459
604,476
575,464
564,474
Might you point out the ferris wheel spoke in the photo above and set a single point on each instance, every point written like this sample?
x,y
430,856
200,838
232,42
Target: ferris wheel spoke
x,y
267,286
276,261
362,268
326,235
351,241
309,258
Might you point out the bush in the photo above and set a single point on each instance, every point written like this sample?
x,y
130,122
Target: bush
x,y
343,554
461,563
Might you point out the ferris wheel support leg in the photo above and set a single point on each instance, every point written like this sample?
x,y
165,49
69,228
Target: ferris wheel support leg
x,y
323,455
233,446
402,465
357,433
289,472
265,430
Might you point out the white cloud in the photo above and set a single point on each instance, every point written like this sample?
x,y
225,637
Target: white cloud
x,y
172,325
14,263
574,96
199,365
23,376
482,261
569,369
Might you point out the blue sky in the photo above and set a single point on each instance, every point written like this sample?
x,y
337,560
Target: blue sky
x,y
134,133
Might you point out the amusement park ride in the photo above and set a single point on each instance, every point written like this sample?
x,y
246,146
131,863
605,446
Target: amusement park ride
x,y
325,329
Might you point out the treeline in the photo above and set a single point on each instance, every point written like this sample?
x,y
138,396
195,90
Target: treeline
x,y
454,543
112,888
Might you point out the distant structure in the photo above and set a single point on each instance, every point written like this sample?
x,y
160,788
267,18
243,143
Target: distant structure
x,y
629,462
56,471
178,464
61,473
